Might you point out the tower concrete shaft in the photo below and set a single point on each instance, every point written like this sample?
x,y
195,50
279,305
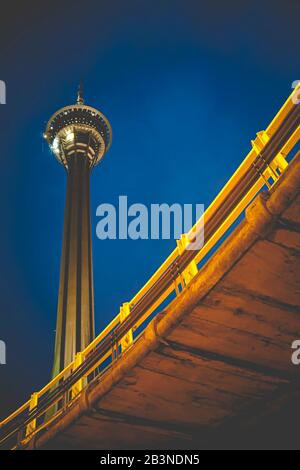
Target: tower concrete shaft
x,y
79,136
75,316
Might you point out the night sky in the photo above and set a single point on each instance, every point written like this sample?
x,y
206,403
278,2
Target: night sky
x,y
185,84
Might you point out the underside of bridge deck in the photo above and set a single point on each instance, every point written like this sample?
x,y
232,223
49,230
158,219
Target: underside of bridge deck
x,y
214,369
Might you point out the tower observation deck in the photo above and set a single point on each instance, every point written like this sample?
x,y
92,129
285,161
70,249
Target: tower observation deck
x,y
79,136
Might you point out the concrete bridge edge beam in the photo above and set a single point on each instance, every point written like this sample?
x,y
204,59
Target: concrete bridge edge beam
x,y
260,216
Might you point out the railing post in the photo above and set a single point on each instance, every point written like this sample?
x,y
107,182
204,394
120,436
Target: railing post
x,y
20,436
279,164
31,427
191,270
127,340
77,388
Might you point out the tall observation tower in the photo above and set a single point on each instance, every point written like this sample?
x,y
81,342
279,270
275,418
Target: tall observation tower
x,y
79,136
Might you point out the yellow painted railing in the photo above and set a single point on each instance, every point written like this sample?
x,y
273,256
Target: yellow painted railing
x,y
263,166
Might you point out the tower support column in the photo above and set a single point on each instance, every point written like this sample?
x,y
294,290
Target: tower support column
x,y
75,316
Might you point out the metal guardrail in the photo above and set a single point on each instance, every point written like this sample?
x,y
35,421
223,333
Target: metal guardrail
x,y
262,167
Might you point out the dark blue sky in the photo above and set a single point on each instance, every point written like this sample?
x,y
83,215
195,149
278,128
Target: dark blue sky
x,y
185,84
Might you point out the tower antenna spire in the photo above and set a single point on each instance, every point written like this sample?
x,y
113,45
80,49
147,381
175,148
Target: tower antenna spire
x,y
80,99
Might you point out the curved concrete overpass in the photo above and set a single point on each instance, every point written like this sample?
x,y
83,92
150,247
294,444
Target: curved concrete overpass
x,y
217,361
